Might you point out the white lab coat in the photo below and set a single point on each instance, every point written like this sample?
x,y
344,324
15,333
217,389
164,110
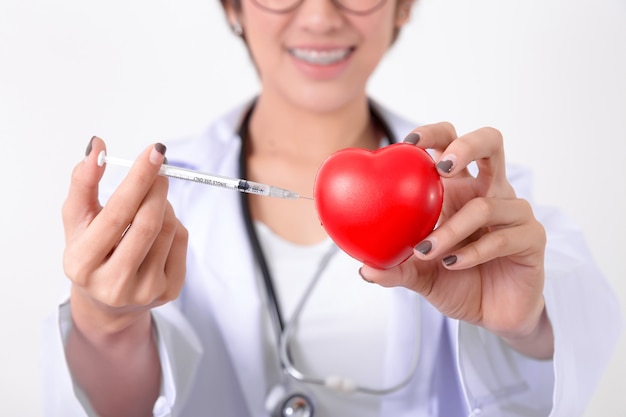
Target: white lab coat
x,y
210,338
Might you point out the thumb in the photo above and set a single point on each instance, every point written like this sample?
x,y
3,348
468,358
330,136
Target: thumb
x,y
82,204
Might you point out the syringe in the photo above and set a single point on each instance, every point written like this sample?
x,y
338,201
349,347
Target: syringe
x,y
209,179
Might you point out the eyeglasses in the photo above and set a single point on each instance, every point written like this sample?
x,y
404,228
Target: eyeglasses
x,y
359,7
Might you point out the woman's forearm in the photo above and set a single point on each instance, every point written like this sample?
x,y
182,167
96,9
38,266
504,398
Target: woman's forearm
x,y
119,372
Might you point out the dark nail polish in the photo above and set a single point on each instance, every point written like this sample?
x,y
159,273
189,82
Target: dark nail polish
x,y
160,148
412,138
365,279
445,166
89,146
424,247
450,260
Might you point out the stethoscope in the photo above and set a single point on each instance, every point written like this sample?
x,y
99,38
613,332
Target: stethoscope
x,y
284,400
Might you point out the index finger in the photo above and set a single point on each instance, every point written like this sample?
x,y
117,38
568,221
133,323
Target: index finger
x,y
454,153
436,136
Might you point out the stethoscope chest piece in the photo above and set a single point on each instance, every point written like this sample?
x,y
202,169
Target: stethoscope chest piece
x,y
292,404
297,405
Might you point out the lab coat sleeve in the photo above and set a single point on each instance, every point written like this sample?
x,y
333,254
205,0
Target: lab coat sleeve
x,y
586,319
584,312
179,350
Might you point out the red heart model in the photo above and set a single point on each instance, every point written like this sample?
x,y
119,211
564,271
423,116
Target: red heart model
x,y
377,205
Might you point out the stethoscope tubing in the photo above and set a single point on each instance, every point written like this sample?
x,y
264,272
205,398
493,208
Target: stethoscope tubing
x,y
284,331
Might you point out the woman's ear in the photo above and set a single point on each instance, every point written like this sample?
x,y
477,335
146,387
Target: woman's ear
x,y
403,12
232,14
234,20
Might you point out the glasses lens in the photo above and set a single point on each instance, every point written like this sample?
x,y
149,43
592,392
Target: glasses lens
x,y
360,6
277,6
352,6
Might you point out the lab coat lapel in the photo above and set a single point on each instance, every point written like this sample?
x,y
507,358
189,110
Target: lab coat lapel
x,y
243,310
239,301
228,264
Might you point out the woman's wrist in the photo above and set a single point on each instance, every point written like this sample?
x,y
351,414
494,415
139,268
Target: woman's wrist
x,y
537,343
100,323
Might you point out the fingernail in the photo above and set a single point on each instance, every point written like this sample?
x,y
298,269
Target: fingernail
x,y
445,166
158,153
412,138
450,260
424,247
160,148
89,146
363,277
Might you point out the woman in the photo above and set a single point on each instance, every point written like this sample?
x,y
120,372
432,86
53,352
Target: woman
x,y
499,323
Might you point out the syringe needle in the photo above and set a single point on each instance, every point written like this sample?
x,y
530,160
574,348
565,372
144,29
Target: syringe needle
x,y
242,185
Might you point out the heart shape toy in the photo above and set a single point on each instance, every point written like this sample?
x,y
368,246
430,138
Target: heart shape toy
x,y
377,205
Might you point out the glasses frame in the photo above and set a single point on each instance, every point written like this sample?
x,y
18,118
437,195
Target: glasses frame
x,y
337,3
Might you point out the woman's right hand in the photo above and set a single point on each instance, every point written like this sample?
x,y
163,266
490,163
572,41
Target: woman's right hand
x,y
124,258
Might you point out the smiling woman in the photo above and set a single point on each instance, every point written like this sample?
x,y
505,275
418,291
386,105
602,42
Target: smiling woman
x,y
224,303
286,50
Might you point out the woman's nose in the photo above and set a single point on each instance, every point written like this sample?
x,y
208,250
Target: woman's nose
x,y
320,15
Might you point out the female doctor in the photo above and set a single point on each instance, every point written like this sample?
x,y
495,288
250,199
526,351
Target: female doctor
x,y
183,300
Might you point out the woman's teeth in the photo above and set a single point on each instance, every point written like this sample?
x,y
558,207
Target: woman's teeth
x,y
318,57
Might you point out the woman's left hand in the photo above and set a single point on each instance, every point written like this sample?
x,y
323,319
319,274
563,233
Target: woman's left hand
x,y
484,263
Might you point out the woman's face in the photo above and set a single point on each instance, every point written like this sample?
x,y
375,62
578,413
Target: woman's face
x,y
318,56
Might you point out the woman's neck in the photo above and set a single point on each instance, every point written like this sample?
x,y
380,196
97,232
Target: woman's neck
x,y
280,129
286,146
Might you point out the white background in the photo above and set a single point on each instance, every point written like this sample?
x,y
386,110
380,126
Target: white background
x,y
550,74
